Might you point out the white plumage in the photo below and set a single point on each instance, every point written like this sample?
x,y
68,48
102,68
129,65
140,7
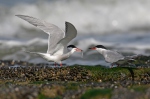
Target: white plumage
x,y
110,56
57,40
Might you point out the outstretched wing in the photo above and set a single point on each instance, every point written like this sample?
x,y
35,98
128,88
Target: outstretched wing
x,y
70,34
55,33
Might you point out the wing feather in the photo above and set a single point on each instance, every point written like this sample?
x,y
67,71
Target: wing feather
x,y
70,33
55,33
113,56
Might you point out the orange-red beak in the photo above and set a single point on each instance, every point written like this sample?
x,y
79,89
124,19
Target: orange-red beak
x,y
78,50
93,48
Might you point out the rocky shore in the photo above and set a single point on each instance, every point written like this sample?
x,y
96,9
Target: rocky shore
x,y
23,80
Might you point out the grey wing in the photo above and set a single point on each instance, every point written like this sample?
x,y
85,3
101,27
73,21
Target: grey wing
x,y
55,33
70,33
112,56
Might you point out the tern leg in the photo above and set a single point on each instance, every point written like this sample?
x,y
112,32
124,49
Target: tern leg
x,y
55,63
60,64
112,65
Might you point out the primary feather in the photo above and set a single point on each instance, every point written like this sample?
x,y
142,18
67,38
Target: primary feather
x,y
55,33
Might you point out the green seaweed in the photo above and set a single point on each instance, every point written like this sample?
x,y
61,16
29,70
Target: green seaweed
x,y
72,86
99,93
140,88
41,96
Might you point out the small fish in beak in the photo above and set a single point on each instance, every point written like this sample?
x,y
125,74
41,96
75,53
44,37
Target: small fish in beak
x,y
82,53
79,50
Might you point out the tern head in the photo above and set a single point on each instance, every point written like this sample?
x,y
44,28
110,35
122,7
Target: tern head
x,y
97,47
74,48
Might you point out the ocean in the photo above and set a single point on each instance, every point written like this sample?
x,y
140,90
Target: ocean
x,y
122,25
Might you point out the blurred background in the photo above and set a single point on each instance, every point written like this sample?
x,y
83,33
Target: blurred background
x,y
122,25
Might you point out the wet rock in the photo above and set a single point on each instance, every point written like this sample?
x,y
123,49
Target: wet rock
x,y
19,92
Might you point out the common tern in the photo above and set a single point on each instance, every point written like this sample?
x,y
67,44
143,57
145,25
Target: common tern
x,y
57,41
110,56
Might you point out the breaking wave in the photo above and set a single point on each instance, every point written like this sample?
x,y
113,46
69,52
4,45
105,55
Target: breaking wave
x,y
118,24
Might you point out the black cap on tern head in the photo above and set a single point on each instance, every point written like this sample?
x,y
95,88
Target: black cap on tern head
x,y
71,46
100,46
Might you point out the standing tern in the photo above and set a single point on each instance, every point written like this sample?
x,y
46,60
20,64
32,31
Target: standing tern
x,y
110,56
57,41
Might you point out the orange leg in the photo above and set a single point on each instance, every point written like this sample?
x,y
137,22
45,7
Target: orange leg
x,y
112,65
60,64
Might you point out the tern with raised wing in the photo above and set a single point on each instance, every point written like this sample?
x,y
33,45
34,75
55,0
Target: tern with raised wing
x,y
57,41
109,55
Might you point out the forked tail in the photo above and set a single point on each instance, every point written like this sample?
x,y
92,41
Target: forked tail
x,y
31,52
37,53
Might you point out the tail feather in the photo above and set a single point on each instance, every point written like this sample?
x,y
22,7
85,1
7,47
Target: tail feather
x,y
37,53
30,52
